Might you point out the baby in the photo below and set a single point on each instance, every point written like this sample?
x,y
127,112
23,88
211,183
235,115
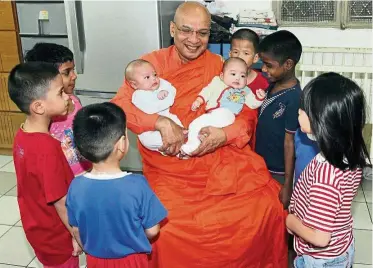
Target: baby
x,y
224,97
152,95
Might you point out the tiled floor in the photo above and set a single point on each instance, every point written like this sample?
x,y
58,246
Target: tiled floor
x,y
16,252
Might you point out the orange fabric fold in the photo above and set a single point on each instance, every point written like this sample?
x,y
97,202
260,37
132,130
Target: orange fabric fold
x,y
223,207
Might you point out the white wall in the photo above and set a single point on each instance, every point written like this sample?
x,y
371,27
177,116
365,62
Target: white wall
x,y
323,37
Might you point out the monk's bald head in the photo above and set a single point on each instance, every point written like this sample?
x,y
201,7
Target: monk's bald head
x,y
192,9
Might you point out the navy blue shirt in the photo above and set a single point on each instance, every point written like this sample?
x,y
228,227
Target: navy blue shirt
x,y
278,114
305,150
112,213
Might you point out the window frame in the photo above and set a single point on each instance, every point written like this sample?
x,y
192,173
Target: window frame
x,y
341,19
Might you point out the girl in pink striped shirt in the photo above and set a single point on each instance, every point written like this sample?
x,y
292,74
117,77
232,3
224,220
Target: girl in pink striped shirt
x,y
333,110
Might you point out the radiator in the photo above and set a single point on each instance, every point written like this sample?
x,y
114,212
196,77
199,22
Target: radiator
x,y
354,63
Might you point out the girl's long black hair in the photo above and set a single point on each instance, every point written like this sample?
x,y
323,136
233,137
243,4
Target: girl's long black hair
x,y
335,106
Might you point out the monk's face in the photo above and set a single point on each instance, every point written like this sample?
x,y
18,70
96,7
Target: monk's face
x,y
191,31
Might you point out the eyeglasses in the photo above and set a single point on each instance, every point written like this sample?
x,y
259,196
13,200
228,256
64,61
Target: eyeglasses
x,y
189,32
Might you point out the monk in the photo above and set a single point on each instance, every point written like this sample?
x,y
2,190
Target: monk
x,y
224,210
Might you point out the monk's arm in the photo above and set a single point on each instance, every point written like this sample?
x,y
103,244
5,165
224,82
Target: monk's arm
x,y
137,120
240,132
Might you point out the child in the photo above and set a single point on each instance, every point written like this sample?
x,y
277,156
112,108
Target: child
x,y
332,109
152,95
305,150
61,127
114,213
43,174
244,45
224,97
277,122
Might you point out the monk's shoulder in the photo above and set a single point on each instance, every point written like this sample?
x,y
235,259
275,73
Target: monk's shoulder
x,y
214,59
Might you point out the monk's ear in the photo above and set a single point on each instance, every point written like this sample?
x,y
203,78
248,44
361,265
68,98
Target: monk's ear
x,y
172,29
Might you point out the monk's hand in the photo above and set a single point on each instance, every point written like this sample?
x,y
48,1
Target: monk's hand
x,y
173,136
285,195
211,138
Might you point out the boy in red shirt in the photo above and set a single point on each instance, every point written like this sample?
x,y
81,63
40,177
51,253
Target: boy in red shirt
x,y
244,45
43,174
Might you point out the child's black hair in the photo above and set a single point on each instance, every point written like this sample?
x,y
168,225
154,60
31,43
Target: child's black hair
x,y
335,106
248,35
30,81
96,128
282,45
49,52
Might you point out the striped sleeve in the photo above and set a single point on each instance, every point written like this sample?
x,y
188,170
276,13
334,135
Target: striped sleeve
x,y
325,203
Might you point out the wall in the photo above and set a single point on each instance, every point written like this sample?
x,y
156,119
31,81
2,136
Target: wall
x,y
325,37
116,32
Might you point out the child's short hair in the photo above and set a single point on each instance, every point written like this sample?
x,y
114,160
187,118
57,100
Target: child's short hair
x,y
96,128
49,52
129,71
282,45
232,60
248,35
335,106
30,81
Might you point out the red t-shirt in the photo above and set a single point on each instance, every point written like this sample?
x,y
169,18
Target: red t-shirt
x,y
43,177
260,82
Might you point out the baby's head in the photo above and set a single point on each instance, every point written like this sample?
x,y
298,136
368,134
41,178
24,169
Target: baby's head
x,y
244,45
100,132
37,89
60,56
234,73
141,74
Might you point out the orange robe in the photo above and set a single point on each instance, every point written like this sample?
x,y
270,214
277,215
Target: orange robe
x,y
224,210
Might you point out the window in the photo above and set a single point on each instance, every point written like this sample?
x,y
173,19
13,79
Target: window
x,y
342,14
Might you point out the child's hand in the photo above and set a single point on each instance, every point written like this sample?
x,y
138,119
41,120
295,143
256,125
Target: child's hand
x,y
77,250
261,94
162,94
196,104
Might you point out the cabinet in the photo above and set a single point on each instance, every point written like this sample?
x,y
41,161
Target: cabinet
x,y
10,116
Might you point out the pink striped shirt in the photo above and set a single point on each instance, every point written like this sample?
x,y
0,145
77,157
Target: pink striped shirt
x,y
322,200
61,129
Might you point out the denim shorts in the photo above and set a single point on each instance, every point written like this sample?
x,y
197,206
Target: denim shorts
x,y
344,261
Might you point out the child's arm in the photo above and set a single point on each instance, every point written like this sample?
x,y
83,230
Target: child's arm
x,y
254,101
152,231
289,156
76,235
205,94
313,236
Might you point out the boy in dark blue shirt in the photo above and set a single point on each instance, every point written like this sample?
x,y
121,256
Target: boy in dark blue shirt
x,y
278,116
113,213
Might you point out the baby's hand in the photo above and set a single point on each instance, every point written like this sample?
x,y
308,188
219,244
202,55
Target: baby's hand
x,y
162,94
261,94
196,104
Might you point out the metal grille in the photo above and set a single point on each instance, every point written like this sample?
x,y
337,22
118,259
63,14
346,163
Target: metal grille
x,y
359,11
309,11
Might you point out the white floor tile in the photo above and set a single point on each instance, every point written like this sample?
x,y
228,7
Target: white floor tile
x,y
368,197
4,229
9,211
361,216
19,224
367,185
7,181
14,248
5,159
359,196
362,266
363,246
13,191
9,266
8,167
370,211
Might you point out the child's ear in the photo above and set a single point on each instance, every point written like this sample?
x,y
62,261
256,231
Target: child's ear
x,y
289,64
230,53
221,76
121,144
133,84
37,107
256,58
